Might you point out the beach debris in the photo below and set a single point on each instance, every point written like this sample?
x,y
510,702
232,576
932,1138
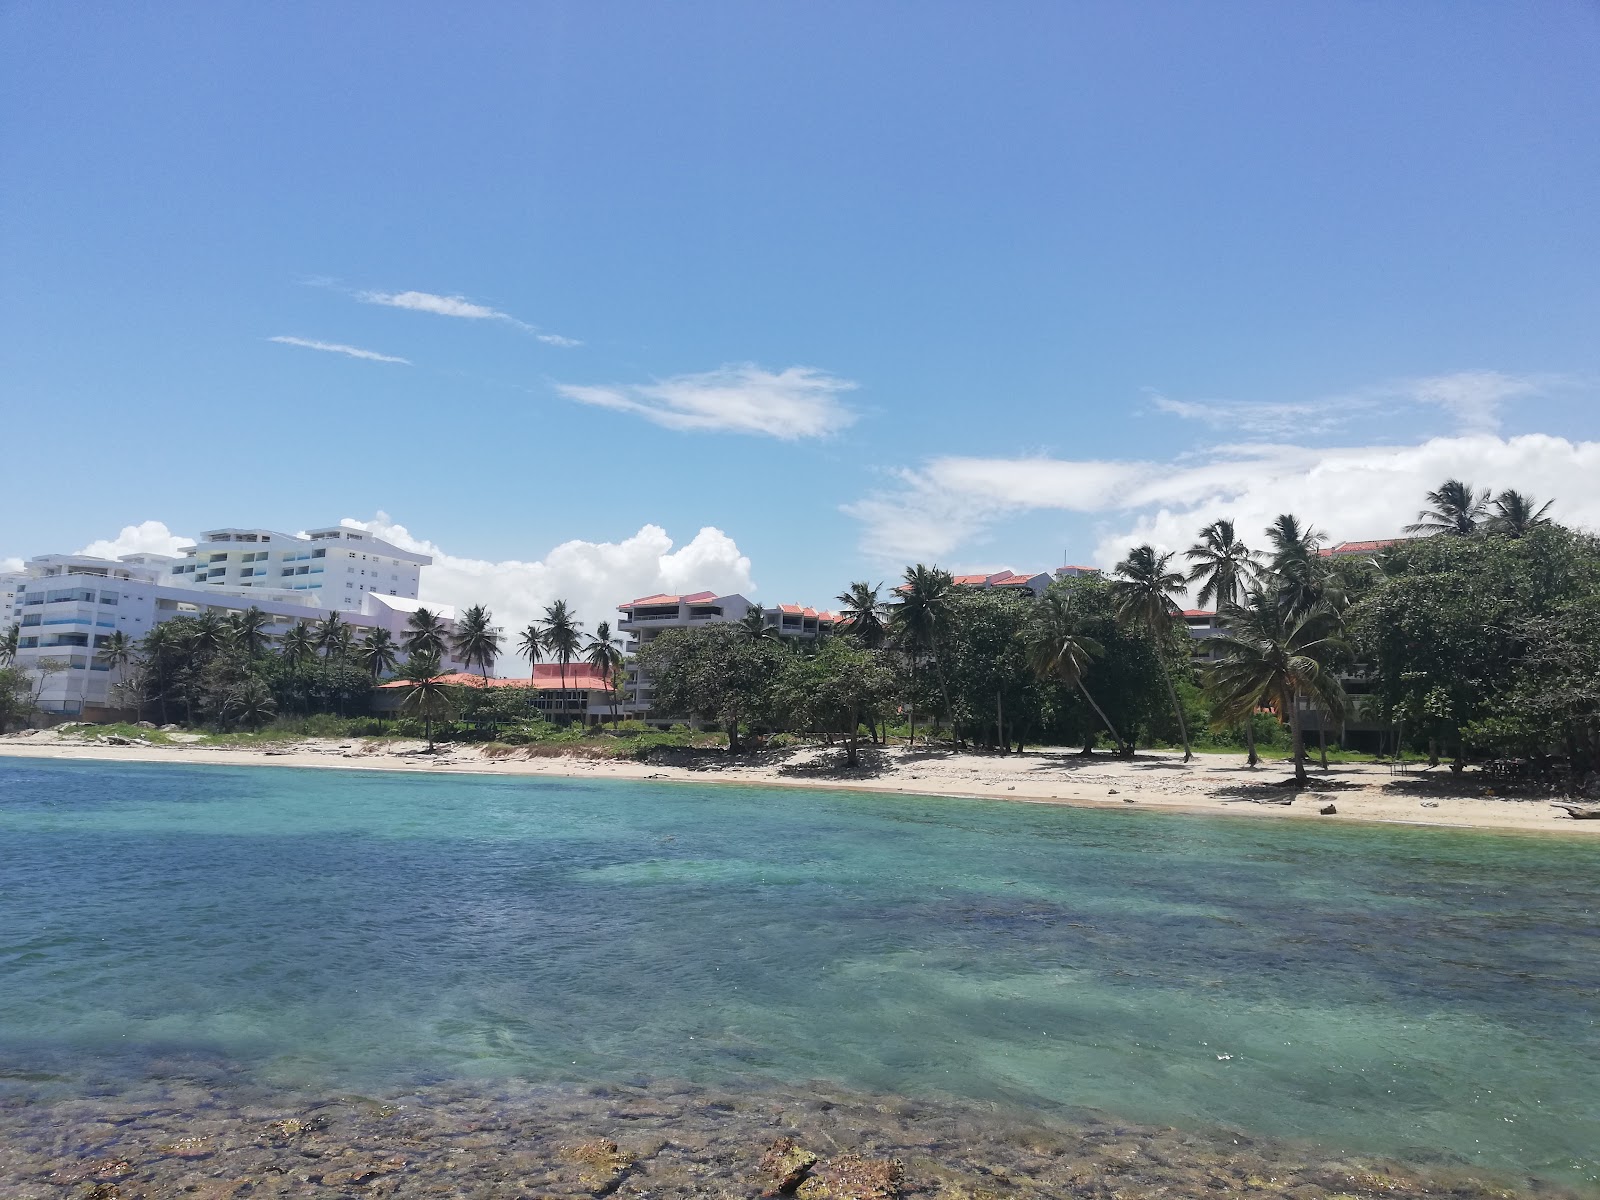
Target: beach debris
x,y
1224,1057
1111,791
1580,814
1327,810
1430,804
851,1177
116,739
786,1163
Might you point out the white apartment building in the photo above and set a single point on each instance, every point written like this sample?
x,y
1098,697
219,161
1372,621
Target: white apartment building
x,y
67,605
645,619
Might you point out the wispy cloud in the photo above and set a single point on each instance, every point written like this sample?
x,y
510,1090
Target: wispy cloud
x,y
461,307
798,402
1473,398
340,348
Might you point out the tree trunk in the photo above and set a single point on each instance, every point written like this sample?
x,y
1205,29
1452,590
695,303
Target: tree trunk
x,y
1000,724
850,740
1250,739
1177,711
911,706
1115,736
1322,738
1299,741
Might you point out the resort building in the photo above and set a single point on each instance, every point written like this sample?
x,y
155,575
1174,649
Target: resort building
x,y
1202,625
1071,572
67,605
645,619
1036,584
582,694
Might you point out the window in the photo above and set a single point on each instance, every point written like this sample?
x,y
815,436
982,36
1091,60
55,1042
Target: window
x,y
27,643
323,553
108,597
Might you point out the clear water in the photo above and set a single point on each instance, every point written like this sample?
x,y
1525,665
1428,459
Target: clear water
x,y
1425,993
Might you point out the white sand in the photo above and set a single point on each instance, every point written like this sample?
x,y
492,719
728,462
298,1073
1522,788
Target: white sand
x,y
1211,783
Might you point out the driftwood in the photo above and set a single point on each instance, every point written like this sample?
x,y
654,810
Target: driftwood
x,y
1580,814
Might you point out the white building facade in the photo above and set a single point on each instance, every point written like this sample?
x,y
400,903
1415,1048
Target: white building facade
x,y
67,606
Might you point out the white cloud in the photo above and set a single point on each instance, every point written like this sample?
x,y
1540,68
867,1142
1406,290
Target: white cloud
x,y
147,537
340,348
798,402
1351,493
459,306
9,566
1473,398
593,577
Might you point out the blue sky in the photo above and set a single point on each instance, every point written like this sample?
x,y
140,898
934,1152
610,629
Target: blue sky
x,y
854,284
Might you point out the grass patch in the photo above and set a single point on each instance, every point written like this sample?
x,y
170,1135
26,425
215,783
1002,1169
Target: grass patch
x,y
122,729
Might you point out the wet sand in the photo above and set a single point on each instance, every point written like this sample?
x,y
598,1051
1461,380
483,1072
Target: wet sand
x,y
177,1138
1212,783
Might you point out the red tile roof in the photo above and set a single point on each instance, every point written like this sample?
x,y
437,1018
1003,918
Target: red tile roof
x,y
1367,547
546,677
1075,567
1199,612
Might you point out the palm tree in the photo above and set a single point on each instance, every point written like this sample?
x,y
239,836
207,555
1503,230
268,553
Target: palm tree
x,y
476,641
866,616
606,659
331,635
1275,656
1515,514
1057,651
425,634
1456,508
1223,565
1143,596
379,652
1296,564
429,693
209,633
118,653
754,622
918,622
299,644
250,704
9,641
250,630
560,636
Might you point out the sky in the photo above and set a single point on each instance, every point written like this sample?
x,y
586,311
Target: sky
x,y
596,299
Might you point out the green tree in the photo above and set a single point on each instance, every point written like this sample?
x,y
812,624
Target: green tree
x,y
836,690
299,644
606,660
248,630
711,673
9,641
560,636
1144,589
475,640
918,622
428,694
332,636
1059,651
1271,655
16,696
864,615
754,623
425,634
1515,514
1456,509
1295,566
1223,565
249,703
378,652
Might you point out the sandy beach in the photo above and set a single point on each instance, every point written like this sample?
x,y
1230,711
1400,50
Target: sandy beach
x,y
1218,784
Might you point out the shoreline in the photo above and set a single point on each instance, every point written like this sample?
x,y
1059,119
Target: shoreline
x,y
1211,784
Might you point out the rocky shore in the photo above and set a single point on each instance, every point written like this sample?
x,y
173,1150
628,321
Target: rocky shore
x,y
173,1138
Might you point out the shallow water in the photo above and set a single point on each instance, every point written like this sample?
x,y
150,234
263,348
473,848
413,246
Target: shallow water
x,y
1423,994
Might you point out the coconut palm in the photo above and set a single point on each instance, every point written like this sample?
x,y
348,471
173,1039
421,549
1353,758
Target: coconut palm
x,y
299,643
1224,566
249,629
1143,592
428,695
606,659
118,654
1271,655
425,634
1514,514
918,622
865,616
250,704
9,641
475,640
1296,564
379,652
331,636
560,636
1456,508
207,635
1057,651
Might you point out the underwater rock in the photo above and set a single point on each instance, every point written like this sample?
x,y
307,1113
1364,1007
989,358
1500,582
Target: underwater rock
x,y
786,1163
851,1177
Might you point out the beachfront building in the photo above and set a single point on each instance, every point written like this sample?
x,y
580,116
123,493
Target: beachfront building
x,y
1072,572
1202,625
1007,581
578,694
67,605
645,619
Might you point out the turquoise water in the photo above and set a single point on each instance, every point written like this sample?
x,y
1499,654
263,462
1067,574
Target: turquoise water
x,y
1425,993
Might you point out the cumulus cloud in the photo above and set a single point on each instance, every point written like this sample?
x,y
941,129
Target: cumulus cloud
x,y
339,348
147,537
1351,492
459,306
798,402
593,577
